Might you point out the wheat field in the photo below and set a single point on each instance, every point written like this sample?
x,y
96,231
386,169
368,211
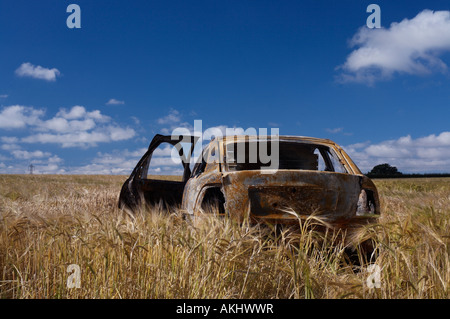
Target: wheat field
x,y
49,223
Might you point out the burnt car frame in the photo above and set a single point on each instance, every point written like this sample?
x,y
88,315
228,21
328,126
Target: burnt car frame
x,y
312,176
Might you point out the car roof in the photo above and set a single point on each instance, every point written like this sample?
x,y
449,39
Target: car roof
x,y
280,137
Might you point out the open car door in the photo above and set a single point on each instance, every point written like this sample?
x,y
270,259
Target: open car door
x,y
142,187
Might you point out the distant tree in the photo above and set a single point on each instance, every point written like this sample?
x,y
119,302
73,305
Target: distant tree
x,y
384,170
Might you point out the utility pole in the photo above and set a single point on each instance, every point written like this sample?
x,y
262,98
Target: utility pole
x,y
31,167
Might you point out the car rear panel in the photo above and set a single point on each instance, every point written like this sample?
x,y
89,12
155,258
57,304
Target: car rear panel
x,y
289,194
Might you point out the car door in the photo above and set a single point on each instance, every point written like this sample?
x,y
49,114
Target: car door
x,y
142,187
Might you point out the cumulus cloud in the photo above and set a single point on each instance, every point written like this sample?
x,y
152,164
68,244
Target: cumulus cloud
x,y
18,116
173,117
78,112
73,127
115,102
76,127
412,46
9,139
172,123
43,162
117,162
26,155
82,138
429,154
10,147
165,161
37,72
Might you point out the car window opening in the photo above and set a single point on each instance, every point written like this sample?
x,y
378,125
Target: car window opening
x,y
292,156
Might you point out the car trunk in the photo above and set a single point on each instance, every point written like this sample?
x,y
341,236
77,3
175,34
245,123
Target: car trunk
x,y
290,194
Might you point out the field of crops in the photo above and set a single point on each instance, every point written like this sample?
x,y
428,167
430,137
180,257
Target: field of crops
x,y
55,227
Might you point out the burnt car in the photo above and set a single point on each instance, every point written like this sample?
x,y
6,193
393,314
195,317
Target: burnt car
x,y
277,179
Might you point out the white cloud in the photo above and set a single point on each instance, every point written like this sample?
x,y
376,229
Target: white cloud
x,y
37,72
43,162
79,112
119,134
172,118
83,138
115,102
75,112
18,116
26,155
412,46
136,120
173,124
429,154
3,96
62,125
9,139
76,127
165,161
335,130
10,147
120,162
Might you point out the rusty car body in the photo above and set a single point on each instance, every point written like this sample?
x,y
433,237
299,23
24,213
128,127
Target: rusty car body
x,y
313,176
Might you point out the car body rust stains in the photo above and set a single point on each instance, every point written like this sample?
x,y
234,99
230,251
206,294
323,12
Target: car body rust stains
x,y
314,177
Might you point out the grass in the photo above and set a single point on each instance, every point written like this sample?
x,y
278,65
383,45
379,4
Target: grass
x,y
49,222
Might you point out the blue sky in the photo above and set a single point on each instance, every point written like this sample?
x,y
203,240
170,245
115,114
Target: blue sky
x,y
89,100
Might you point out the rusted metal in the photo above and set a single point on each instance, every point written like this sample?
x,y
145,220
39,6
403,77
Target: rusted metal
x,y
280,196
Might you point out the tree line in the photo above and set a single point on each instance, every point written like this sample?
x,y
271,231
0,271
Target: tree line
x,y
387,171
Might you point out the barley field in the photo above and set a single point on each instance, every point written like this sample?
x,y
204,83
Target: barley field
x,y
49,223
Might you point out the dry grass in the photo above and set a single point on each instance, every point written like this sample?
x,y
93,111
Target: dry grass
x,y
50,222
